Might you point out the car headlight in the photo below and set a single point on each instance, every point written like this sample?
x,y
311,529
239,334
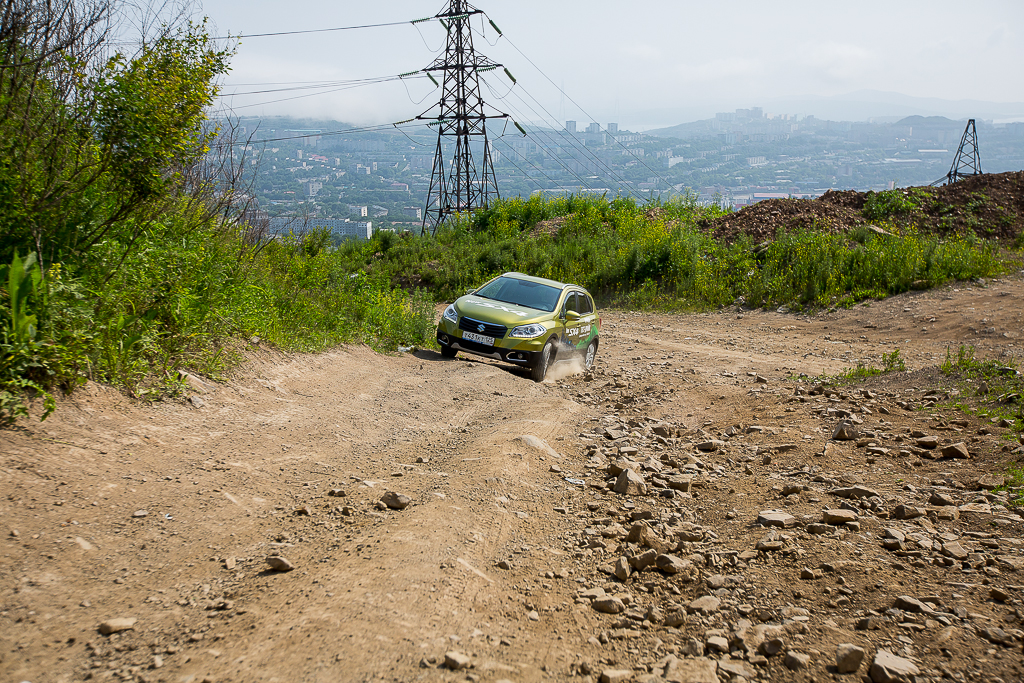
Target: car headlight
x,y
528,331
451,315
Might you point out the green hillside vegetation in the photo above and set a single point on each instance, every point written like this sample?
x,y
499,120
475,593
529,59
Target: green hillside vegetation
x,y
125,261
659,255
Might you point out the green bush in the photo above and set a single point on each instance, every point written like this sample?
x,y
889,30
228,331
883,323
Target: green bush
x,y
880,206
136,266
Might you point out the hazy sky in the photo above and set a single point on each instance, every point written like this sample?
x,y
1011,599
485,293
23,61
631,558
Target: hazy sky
x,y
643,64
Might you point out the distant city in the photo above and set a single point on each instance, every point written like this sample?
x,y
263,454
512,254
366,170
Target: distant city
x,y
359,183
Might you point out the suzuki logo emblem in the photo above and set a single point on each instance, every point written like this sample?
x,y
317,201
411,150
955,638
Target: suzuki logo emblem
x,y
480,328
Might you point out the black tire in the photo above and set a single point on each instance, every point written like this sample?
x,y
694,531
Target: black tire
x,y
538,371
589,355
448,352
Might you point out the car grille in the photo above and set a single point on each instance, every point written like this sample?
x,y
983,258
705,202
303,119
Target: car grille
x,y
490,329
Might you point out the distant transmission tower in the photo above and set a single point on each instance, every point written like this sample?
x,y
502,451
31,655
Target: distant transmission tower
x,y
967,161
456,184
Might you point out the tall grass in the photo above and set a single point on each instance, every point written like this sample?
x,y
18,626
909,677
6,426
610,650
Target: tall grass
x,y
658,256
189,300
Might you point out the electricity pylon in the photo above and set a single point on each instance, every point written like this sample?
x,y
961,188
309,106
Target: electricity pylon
x,y
456,184
967,161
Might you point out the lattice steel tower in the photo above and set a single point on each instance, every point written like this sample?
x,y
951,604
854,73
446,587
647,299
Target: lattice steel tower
x,y
967,161
456,184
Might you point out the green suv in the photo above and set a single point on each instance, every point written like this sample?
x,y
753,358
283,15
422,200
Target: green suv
x,y
522,320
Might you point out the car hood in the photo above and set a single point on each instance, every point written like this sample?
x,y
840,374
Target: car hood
x,y
488,310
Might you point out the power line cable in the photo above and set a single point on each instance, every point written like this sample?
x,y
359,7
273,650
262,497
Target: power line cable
x,y
586,152
316,85
347,131
532,63
536,168
598,162
565,166
322,30
556,158
324,92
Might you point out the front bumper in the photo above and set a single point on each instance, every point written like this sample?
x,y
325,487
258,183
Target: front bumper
x,y
522,352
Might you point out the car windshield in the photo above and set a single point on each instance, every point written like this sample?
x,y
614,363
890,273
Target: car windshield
x,y
521,293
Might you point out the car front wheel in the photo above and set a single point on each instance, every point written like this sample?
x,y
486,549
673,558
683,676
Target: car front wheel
x,y
543,363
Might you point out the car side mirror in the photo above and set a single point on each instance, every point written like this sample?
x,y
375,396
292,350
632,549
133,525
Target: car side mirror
x,y
572,315
470,290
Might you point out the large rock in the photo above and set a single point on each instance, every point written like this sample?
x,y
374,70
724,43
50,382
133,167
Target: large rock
x,y
845,431
710,446
909,604
396,501
608,604
956,450
622,569
797,660
888,668
630,483
696,670
989,482
643,560
849,657
776,518
537,444
770,542
616,675
736,667
117,625
1010,563
679,482
670,564
908,512
643,535
854,492
620,465
955,550
838,516
707,604
280,564
929,442
456,660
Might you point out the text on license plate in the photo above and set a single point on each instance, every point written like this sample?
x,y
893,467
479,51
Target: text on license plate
x,y
478,338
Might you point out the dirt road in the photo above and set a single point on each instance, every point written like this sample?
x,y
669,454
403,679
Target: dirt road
x,y
515,551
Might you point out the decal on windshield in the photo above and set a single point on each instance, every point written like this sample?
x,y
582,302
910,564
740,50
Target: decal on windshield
x,y
500,308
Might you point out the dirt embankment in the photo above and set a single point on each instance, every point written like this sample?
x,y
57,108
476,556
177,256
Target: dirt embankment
x,y
745,543
991,205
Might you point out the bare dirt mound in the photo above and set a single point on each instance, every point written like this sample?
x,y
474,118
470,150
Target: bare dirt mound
x,y
763,221
990,205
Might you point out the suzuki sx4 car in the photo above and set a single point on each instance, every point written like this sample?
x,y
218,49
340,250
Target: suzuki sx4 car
x,y
523,320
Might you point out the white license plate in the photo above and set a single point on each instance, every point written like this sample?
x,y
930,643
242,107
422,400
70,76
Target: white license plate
x,y
478,338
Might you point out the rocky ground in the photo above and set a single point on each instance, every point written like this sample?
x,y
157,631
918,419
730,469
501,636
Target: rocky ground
x,y
701,508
